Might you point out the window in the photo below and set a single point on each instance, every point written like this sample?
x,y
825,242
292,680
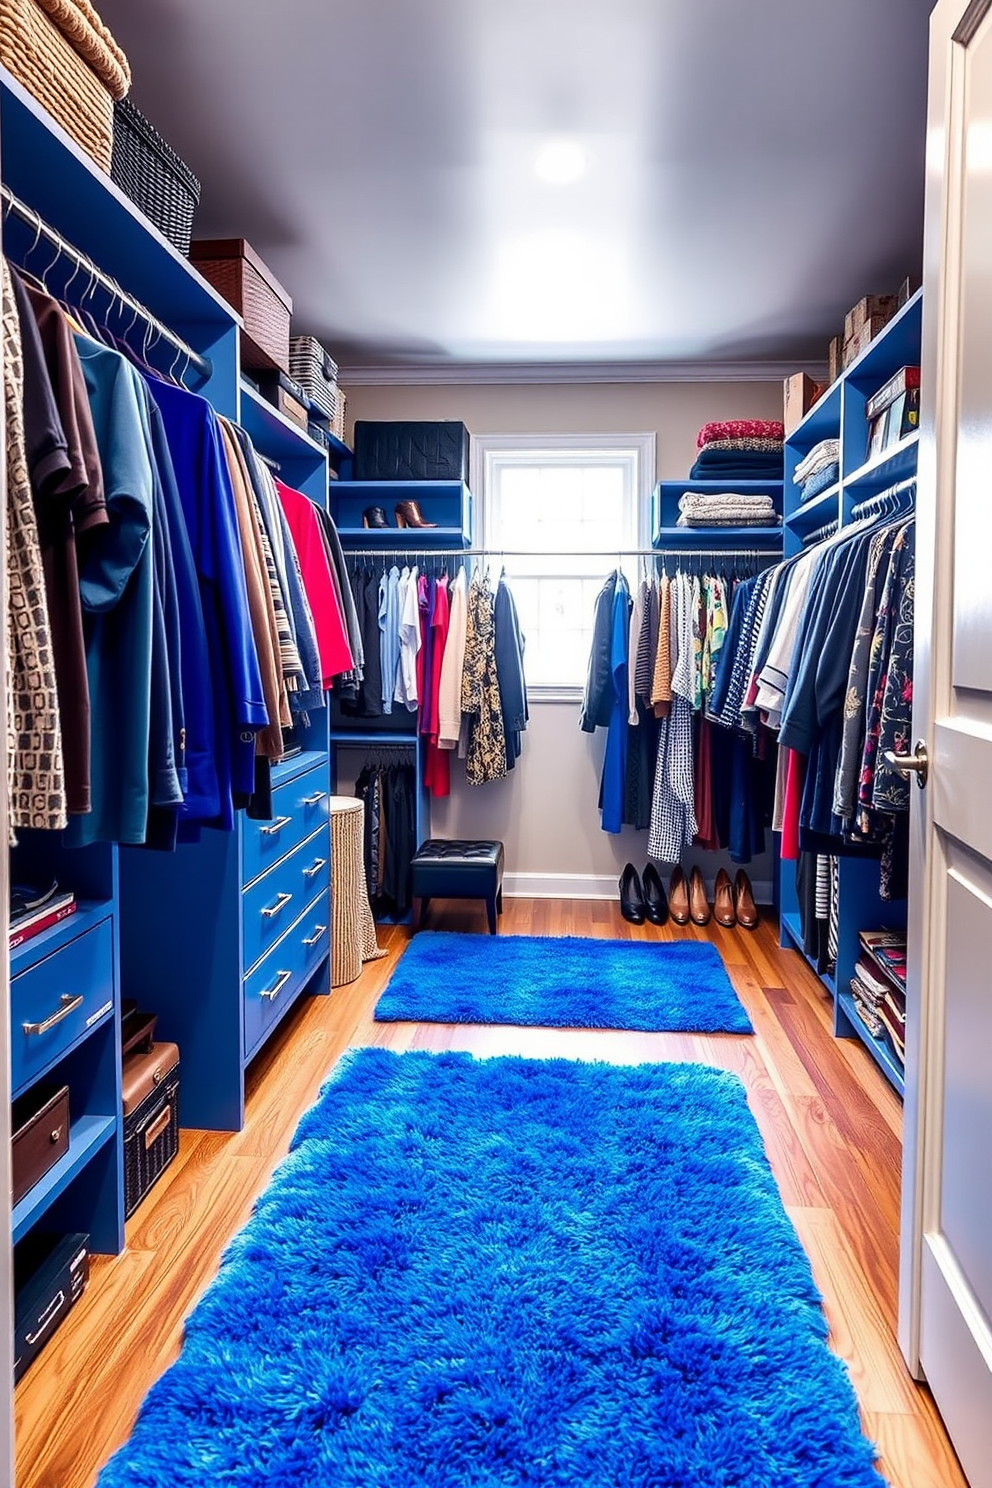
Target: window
x,y
570,504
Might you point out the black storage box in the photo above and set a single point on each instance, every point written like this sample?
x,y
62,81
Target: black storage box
x,y
411,451
50,1275
151,1119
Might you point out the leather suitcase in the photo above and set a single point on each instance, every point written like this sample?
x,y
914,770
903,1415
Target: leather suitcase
x,y
151,1119
50,1276
411,450
40,1124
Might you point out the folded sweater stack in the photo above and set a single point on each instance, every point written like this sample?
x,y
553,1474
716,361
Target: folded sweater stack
x,y
726,509
739,449
880,1004
819,470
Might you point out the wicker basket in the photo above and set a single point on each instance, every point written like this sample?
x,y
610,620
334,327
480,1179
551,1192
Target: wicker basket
x,y
337,422
150,172
316,372
64,55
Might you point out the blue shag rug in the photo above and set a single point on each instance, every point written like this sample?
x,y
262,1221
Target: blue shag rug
x,y
512,1272
563,982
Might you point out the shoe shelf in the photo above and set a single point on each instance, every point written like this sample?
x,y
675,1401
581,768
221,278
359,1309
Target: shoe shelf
x,y
448,504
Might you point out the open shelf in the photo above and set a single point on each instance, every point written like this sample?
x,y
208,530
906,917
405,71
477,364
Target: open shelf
x,y
88,913
87,1134
814,513
896,345
885,469
369,737
272,432
448,503
769,538
878,1048
821,422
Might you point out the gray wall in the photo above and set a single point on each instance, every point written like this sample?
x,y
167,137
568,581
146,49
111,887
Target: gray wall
x,y
546,812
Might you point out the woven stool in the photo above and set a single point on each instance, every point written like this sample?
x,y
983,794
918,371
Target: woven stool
x,y
449,868
352,926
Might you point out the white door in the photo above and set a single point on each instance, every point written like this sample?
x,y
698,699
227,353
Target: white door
x,y
946,1281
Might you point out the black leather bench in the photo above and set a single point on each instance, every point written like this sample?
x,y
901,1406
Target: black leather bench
x,y
449,868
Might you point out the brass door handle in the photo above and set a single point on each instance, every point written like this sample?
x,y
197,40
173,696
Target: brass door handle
x,y
917,763
275,827
69,1005
319,931
273,909
315,867
281,980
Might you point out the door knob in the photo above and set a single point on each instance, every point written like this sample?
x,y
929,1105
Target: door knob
x,y
917,763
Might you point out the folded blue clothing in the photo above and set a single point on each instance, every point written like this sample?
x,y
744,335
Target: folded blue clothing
x,y
736,467
828,476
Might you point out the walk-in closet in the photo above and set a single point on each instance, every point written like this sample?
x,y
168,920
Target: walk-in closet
x,y
497,869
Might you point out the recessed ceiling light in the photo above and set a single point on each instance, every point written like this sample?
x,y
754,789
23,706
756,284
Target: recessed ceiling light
x,y
560,162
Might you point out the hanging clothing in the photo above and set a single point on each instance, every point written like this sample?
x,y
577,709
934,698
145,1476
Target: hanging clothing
x,y
615,758
599,695
437,770
332,640
35,775
389,634
509,646
485,758
409,639
453,665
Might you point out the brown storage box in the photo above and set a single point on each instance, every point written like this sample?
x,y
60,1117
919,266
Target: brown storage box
x,y
801,392
39,1122
150,1088
863,339
907,289
236,271
835,359
65,56
870,308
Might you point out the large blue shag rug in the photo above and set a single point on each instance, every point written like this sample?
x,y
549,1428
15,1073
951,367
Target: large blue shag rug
x,y
512,1272
563,982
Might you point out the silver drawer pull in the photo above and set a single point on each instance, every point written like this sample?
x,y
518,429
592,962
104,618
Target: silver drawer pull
x,y
281,980
275,827
281,901
69,1005
315,867
47,1318
319,930
312,800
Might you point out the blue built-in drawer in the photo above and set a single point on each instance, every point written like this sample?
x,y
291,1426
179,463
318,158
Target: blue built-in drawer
x,y
57,1000
275,901
298,808
271,987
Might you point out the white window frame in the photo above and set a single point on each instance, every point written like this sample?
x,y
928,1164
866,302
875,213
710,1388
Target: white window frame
x,y
638,452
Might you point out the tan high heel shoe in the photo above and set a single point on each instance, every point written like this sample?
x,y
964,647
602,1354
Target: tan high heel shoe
x,y
408,514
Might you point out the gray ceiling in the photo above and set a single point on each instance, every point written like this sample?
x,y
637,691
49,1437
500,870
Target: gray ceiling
x,y
753,168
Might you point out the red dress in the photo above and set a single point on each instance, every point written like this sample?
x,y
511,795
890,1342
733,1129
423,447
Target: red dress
x,y
328,621
437,769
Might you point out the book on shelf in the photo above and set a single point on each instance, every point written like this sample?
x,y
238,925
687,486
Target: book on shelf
x,y
26,926
899,418
904,381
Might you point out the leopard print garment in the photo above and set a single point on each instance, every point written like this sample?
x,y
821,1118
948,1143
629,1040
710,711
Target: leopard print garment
x,y
35,780
485,759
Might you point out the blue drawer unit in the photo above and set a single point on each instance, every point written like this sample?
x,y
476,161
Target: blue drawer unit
x,y
274,901
200,926
272,985
57,1001
298,809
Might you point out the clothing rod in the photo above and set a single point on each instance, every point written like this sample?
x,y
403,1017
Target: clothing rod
x,y
32,219
454,553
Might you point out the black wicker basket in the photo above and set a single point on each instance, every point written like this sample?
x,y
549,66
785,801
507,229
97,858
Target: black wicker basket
x,y
151,173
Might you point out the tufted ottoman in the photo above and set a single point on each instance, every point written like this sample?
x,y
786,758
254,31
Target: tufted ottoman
x,y
449,868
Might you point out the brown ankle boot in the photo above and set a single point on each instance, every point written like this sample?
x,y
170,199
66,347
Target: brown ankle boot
x,y
408,514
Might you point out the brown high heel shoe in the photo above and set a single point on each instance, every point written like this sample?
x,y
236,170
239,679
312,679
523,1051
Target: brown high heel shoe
x,y
408,514
744,906
699,907
678,898
723,901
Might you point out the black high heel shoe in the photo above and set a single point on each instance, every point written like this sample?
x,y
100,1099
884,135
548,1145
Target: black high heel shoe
x,y
631,896
655,898
374,516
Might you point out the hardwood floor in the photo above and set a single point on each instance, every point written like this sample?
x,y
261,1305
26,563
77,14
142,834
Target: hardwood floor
x,y
830,1123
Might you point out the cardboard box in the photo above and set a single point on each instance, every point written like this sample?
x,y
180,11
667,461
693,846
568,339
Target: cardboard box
x,y
870,308
907,289
801,392
856,344
835,359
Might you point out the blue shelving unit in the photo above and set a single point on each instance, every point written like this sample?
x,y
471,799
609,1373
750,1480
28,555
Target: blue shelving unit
x,y
665,532
840,414
447,503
